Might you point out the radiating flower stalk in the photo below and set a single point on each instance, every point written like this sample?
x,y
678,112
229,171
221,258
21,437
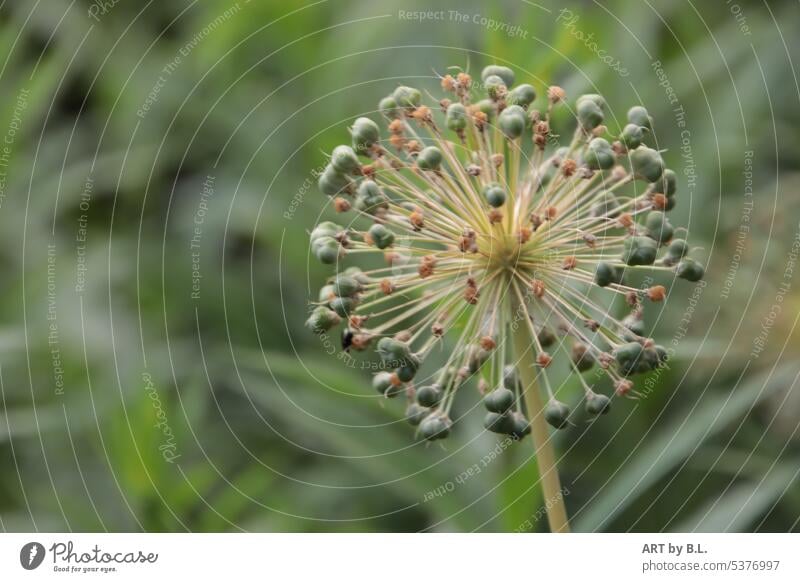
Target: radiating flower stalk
x,y
493,232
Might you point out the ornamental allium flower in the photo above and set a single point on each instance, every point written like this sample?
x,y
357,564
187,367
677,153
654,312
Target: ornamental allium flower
x,y
488,227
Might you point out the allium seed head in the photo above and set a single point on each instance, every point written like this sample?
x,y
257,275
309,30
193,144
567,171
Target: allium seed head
x,y
483,231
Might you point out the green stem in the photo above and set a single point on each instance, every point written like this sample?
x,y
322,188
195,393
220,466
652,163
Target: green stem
x,y
545,455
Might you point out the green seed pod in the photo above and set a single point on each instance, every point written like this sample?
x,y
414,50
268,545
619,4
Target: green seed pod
x,y
357,274
590,115
369,197
389,108
430,158
631,358
393,352
606,206
638,116
381,236
495,195
365,134
594,98
546,337
499,400
326,294
494,85
646,163
512,121
597,404
582,358
658,227
662,354
332,182
639,250
383,384
522,95
344,160
511,379
487,106
506,74
429,396
407,372
667,184
477,357
415,414
322,319
343,305
345,286
599,155
326,229
606,274
326,249
407,97
456,117
435,427
557,414
498,423
522,425
635,324
632,136
676,250
690,270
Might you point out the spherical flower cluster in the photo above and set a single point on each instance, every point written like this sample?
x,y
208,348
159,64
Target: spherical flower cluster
x,y
482,231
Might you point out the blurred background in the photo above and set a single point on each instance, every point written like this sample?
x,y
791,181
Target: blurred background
x,y
156,193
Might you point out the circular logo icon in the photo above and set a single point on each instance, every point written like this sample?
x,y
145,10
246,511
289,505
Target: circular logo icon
x,y
31,555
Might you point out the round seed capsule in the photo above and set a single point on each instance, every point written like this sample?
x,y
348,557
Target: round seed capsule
x,y
365,134
522,425
456,117
345,286
582,358
606,206
594,98
430,158
370,198
381,236
638,116
499,400
690,270
332,182
392,351
389,108
676,250
511,379
658,227
634,324
326,249
546,337
599,155
512,121
639,250
322,319
647,163
435,427
606,274
506,74
631,359
486,106
326,229
343,305
597,404
429,396
522,95
326,293
495,195
407,372
407,97
557,414
384,383
498,423
667,184
344,160
590,114
494,85
632,136
415,414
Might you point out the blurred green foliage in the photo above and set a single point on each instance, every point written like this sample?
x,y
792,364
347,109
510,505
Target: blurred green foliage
x,y
102,335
